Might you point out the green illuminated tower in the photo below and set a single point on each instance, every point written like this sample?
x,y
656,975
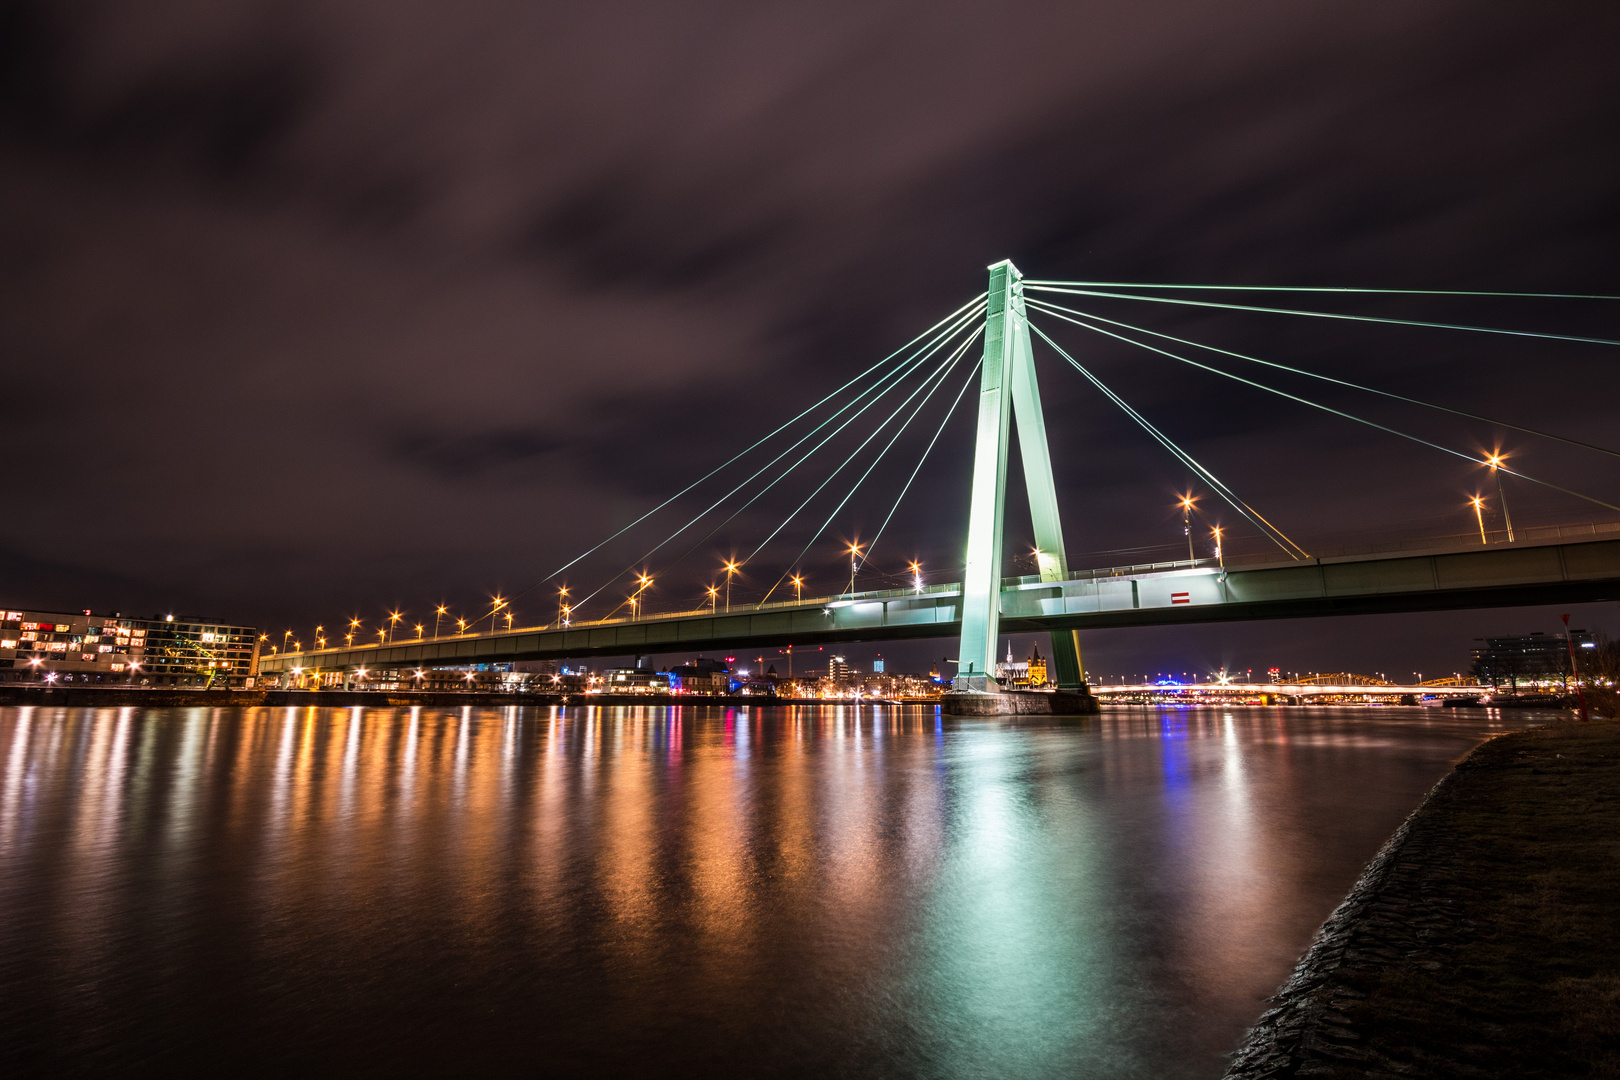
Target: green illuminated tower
x,y
1008,391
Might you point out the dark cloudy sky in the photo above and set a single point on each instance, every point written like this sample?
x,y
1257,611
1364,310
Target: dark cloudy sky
x,y
311,309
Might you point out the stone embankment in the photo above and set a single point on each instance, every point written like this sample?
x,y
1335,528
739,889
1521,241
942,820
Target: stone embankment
x,y
1482,941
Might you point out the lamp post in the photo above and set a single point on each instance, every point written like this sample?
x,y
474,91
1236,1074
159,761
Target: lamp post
x,y
644,582
1479,516
731,568
916,575
714,597
798,588
854,554
284,638
393,619
1493,461
562,606
499,603
1220,556
320,639
1186,524
461,626
438,613
418,631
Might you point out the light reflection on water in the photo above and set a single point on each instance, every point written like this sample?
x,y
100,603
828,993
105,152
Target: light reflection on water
x,y
678,891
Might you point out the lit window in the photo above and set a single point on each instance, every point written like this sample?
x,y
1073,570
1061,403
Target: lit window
x,y
104,648
14,615
62,627
30,626
55,646
30,635
208,637
118,667
7,643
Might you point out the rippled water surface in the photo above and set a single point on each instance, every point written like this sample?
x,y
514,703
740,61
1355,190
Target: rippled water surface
x,y
677,892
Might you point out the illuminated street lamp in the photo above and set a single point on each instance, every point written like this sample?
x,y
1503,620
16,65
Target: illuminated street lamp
x,y
567,612
284,638
854,554
393,618
916,575
418,631
1186,523
1493,461
438,613
562,605
1479,516
731,568
1220,556
382,636
461,626
499,603
714,597
509,620
798,588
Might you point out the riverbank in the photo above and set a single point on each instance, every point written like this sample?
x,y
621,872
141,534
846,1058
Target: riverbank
x,y
1480,941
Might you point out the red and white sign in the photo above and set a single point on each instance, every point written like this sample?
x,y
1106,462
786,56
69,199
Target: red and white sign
x,y
1180,598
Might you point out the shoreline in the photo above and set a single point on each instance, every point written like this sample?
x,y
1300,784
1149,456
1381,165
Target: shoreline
x,y
1477,941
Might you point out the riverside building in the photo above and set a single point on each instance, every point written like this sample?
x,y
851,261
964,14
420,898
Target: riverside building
x,y
54,647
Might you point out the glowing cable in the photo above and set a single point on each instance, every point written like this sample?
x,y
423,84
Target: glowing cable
x,y
945,371
1055,308
910,366
1325,289
959,394
1267,528
1324,315
975,303
1336,412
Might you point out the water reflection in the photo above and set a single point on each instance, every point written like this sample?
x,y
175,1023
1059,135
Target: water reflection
x,y
656,891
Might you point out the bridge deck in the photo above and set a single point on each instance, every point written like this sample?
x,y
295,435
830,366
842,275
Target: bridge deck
x,y
1501,576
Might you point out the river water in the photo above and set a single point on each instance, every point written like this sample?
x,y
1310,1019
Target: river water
x,y
648,891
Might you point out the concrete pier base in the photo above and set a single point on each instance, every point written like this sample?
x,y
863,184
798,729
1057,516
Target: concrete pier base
x,y
999,702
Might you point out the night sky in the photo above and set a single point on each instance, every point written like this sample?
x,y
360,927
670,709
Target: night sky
x,y
312,310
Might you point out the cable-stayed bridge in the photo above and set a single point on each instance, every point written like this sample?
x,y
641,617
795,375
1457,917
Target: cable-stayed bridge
x,y
985,603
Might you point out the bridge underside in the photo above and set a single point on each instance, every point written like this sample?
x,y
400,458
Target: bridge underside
x,y
1559,573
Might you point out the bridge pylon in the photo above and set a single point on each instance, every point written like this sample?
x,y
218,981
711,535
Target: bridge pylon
x,y
1008,394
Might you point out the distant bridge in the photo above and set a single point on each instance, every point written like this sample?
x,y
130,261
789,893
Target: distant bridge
x,y
1293,689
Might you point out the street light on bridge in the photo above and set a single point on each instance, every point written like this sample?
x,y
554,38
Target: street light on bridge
x,y
916,575
854,554
1493,461
798,588
714,596
1220,556
731,568
1187,501
562,606
438,613
1479,516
